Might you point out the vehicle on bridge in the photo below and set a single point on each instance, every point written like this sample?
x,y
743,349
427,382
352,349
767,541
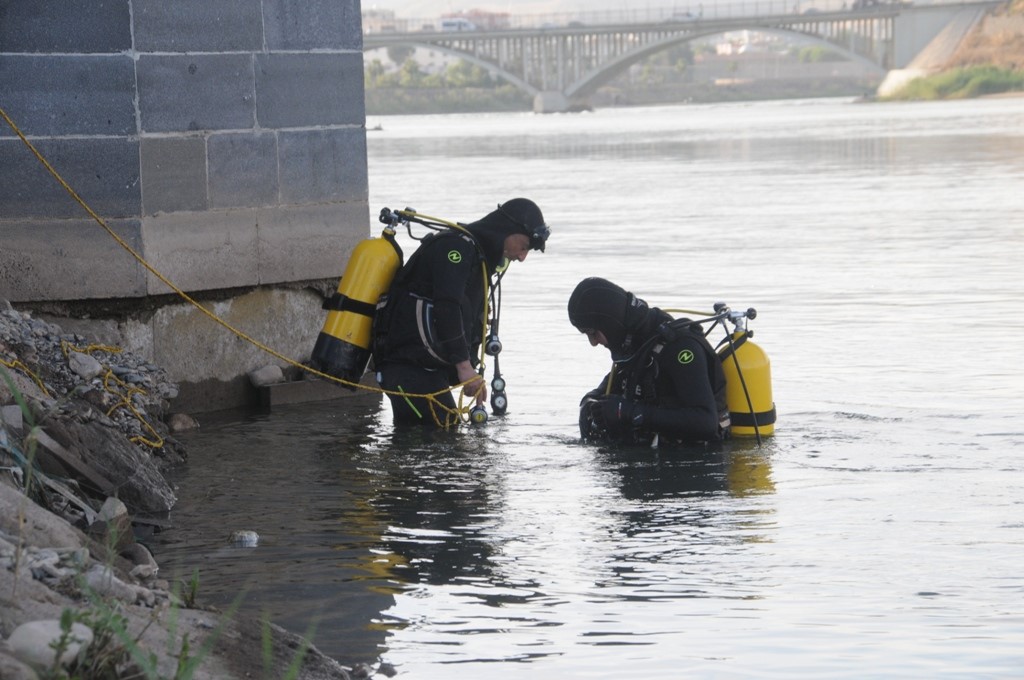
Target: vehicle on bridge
x,y
457,24
870,4
682,17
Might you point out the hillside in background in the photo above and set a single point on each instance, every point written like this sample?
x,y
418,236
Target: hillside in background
x,y
998,41
989,61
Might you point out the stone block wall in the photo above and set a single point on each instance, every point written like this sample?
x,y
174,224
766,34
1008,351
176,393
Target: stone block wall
x,y
223,140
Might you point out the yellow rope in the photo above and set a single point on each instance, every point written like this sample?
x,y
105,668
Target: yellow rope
x,y
126,402
185,296
124,397
66,347
611,377
18,364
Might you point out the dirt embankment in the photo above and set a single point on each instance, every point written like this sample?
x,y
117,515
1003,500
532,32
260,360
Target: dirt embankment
x,y
998,40
83,445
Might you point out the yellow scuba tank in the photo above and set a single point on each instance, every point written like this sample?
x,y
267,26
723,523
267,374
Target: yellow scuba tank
x,y
748,386
343,347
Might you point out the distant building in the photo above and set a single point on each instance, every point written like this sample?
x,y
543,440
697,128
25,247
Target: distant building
x,y
383,21
457,24
481,20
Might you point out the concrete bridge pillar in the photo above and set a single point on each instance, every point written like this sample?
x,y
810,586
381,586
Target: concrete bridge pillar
x,y
929,39
224,141
551,101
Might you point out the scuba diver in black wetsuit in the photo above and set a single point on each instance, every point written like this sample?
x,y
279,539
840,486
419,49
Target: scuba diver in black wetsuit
x,y
429,327
666,384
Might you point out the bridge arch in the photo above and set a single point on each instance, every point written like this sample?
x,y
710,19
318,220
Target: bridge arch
x,y
489,66
560,66
591,81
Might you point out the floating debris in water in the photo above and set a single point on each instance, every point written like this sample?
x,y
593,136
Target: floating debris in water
x,y
245,539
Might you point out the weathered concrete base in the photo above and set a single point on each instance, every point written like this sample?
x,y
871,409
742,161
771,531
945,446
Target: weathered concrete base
x,y
556,102
196,251
550,102
313,389
209,361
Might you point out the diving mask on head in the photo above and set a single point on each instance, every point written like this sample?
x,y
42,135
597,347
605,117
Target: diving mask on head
x,y
538,234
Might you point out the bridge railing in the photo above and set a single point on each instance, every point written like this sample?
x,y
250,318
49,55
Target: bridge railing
x,y
688,10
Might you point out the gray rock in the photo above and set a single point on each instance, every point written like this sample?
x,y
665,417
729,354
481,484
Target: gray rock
x,y
12,417
103,581
85,366
134,474
10,667
244,539
268,375
112,509
31,642
361,671
179,422
139,555
39,527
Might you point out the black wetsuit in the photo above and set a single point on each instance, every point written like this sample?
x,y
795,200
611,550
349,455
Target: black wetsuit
x,y
671,384
433,319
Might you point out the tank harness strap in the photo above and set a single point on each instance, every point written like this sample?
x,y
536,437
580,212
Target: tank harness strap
x,y
343,303
476,246
743,419
389,236
733,346
651,350
649,388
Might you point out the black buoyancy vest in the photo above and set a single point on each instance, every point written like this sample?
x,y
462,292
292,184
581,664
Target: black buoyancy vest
x,y
403,326
640,381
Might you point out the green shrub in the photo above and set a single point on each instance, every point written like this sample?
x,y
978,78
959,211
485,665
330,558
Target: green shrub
x,y
816,53
962,83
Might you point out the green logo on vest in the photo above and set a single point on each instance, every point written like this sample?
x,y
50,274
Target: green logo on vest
x,y
685,357
454,256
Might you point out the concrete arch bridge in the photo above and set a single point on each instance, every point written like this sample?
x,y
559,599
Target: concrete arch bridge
x,y
560,66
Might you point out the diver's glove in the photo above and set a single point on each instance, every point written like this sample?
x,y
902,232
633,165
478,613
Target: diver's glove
x,y
621,416
592,426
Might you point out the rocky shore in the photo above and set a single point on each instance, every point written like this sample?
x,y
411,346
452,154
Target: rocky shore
x,y
86,435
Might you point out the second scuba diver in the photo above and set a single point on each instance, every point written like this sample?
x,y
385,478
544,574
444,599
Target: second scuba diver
x,y
428,329
666,384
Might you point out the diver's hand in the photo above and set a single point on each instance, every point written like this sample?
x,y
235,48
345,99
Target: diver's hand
x,y
621,415
475,387
592,425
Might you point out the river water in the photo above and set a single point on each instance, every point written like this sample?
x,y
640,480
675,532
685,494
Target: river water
x,y
879,533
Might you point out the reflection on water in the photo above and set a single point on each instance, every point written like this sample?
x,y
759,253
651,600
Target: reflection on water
x,y
282,477
352,514
435,499
874,535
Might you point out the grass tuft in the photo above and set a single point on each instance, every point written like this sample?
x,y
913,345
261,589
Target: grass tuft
x,y
961,83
